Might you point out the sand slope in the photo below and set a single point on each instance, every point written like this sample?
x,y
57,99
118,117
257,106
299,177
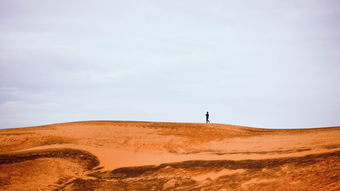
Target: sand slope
x,y
120,155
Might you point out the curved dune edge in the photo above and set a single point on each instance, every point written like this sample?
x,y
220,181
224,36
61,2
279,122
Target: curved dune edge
x,y
87,159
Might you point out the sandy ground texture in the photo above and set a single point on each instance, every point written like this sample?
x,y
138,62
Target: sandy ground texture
x,y
121,155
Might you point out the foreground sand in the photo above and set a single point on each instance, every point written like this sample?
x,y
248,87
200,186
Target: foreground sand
x,y
117,155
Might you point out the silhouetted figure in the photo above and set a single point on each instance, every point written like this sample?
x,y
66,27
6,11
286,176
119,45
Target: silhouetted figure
x,y
207,117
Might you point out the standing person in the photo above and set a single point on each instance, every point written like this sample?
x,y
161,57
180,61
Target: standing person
x,y
207,117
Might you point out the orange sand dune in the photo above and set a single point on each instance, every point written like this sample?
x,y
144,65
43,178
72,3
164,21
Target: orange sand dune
x,y
123,155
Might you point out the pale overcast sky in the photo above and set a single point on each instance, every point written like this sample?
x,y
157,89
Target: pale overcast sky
x,y
263,63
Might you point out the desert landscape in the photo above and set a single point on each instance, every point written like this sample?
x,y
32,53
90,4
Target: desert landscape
x,y
113,95
127,155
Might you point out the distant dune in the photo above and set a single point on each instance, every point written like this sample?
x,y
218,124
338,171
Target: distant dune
x,y
127,155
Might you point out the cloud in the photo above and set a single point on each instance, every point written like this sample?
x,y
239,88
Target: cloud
x,y
250,63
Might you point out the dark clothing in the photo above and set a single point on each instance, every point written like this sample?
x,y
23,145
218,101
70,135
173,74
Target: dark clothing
x,y
207,117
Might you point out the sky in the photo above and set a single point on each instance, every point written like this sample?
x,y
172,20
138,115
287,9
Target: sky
x,y
263,63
